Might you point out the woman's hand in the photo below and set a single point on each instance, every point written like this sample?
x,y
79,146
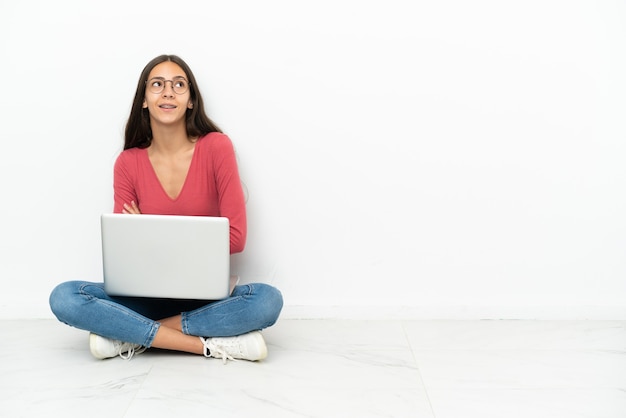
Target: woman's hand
x,y
131,209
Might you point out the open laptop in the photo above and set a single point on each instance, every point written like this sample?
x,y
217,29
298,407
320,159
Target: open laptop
x,y
166,256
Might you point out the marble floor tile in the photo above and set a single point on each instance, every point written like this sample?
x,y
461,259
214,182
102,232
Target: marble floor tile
x,y
511,334
297,402
287,370
337,335
519,369
331,368
528,403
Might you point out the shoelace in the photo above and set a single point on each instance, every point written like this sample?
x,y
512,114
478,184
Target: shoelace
x,y
213,349
127,351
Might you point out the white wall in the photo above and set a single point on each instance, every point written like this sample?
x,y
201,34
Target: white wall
x,y
403,158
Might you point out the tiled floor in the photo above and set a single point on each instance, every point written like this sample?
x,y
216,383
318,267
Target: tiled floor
x,y
328,368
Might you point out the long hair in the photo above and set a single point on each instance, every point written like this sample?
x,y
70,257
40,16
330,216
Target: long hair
x,y
138,132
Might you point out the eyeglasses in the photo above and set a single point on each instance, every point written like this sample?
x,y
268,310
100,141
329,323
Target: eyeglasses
x,y
157,85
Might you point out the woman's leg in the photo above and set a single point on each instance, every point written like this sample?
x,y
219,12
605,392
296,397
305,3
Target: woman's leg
x,y
173,339
250,307
86,306
228,325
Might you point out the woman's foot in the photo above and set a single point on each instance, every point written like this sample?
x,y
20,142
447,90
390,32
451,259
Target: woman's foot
x,y
102,348
250,346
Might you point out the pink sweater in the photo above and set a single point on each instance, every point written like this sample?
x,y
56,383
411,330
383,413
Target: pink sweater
x,y
212,186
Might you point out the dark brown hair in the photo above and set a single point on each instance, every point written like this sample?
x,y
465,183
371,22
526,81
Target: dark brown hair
x,y
138,132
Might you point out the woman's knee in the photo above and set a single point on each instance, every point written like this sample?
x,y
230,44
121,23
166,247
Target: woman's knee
x,y
60,298
65,299
271,302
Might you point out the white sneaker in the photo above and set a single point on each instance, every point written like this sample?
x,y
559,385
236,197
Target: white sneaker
x,y
102,348
250,346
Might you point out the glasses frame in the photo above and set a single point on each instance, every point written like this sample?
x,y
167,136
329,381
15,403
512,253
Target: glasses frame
x,y
149,84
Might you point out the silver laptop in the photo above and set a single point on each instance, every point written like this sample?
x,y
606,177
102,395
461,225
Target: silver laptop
x,y
166,256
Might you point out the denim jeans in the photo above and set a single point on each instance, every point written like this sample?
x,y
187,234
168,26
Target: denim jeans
x,y
86,306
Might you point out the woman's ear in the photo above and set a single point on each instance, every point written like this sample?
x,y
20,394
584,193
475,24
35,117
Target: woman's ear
x,y
145,105
189,105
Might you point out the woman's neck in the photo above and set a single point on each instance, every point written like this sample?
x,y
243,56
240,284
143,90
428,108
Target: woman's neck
x,y
170,139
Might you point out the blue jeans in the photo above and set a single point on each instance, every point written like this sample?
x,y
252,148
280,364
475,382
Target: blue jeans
x,y
86,306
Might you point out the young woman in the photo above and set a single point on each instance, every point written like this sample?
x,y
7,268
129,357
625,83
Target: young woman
x,y
175,161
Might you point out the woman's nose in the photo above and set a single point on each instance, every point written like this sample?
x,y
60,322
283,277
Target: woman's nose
x,y
168,90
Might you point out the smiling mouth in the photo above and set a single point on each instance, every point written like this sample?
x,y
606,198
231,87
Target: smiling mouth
x,y
167,106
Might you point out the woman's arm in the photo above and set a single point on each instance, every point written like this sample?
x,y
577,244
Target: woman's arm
x,y
230,192
123,187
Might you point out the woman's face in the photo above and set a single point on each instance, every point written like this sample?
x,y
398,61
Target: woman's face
x,y
167,94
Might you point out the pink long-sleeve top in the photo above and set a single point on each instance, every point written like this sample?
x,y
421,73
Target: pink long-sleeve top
x,y
212,186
